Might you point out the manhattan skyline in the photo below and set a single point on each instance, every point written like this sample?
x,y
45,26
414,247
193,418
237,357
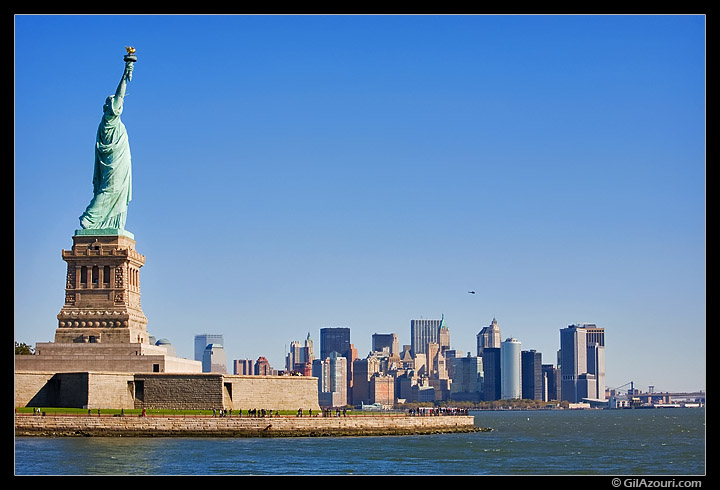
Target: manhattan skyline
x,y
292,173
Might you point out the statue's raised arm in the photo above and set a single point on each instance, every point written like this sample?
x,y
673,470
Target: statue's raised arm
x,y
119,98
112,173
126,77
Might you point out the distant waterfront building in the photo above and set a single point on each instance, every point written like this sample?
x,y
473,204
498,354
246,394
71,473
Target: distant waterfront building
x,y
382,389
488,337
406,357
551,381
404,383
293,355
203,340
573,355
596,357
510,375
299,355
308,351
304,369
450,356
443,337
436,362
420,365
243,366
423,391
349,359
334,339
532,375
213,360
491,373
332,380
339,379
262,367
587,386
424,332
390,341
582,362
468,380
321,371
363,370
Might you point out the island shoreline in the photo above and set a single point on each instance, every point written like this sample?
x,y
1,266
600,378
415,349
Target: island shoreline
x,y
190,426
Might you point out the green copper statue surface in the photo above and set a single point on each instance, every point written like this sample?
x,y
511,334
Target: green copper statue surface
x,y
112,173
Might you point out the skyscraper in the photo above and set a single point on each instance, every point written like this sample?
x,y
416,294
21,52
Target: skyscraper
x,y
467,381
443,336
299,355
293,356
363,370
551,379
424,332
573,360
308,351
488,337
532,375
243,366
386,340
582,362
203,340
332,380
262,367
596,367
510,375
213,360
491,372
334,339
596,357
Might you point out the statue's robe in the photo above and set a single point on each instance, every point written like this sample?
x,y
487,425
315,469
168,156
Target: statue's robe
x,y
112,173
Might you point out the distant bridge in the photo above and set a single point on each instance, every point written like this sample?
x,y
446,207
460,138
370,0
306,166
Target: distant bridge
x,y
667,397
654,398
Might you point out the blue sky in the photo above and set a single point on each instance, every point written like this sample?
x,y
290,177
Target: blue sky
x,y
299,172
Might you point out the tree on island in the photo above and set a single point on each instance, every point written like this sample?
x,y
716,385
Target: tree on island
x,y
22,349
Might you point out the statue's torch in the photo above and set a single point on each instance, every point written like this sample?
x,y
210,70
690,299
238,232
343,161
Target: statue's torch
x,y
130,57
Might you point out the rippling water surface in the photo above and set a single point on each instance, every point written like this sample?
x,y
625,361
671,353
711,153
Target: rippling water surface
x,y
668,441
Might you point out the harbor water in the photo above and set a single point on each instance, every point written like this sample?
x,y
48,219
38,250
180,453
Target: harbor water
x,y
660,441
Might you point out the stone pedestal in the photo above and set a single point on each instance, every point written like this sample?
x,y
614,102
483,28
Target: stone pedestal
x,y
101,326
102,290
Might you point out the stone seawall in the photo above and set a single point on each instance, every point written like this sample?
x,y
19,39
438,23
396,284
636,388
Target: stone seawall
x,y
279,426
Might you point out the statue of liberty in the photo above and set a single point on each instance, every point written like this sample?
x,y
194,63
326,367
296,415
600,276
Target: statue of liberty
x,y
112,173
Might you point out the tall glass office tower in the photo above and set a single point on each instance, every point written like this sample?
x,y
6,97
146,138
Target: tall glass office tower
x,y
424,332
334,339
510,369
491,373
582,362
203,340
532,376
214,359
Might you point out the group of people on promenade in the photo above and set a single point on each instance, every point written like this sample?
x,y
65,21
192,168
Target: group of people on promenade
x,y
431,411
262,413
324,412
